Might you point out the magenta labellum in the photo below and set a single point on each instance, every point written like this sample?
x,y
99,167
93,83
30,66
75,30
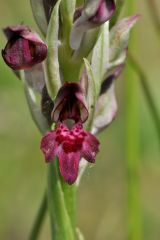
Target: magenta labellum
x,y
69,146
69,143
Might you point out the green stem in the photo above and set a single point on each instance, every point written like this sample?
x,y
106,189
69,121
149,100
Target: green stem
x,y
70,192
39,219
43,206
132,147
147,93
52,74
61,226
132,156
67,9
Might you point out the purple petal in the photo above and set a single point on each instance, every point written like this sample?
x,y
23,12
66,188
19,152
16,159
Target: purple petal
x,y
90,147
49,146
69,165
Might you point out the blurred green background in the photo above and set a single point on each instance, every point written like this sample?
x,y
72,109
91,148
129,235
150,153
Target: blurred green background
x,y
102,196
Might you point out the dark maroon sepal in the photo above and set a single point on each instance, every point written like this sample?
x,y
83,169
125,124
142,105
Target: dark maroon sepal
x,y
70,104
24,48
104,12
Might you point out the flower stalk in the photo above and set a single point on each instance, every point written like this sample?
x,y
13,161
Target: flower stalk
x,y
61,226
39,219
132,147
147,93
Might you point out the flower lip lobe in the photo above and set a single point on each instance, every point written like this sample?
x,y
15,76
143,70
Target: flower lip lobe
x,y
69,146
24,48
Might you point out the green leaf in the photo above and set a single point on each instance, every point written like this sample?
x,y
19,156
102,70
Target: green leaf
x,y
53,81
100,56
39,14
67,10
34,105
106,109
92,94
35,78
35,109
88,42
42,10
119,36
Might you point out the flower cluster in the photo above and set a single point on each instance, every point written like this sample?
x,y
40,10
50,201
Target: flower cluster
x,y
88,101
69,141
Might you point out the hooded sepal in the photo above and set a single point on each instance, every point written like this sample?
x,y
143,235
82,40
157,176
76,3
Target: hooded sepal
x,y
70,104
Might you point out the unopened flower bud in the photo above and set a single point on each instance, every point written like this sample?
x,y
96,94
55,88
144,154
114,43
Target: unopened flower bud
x,y
24,48
90,17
